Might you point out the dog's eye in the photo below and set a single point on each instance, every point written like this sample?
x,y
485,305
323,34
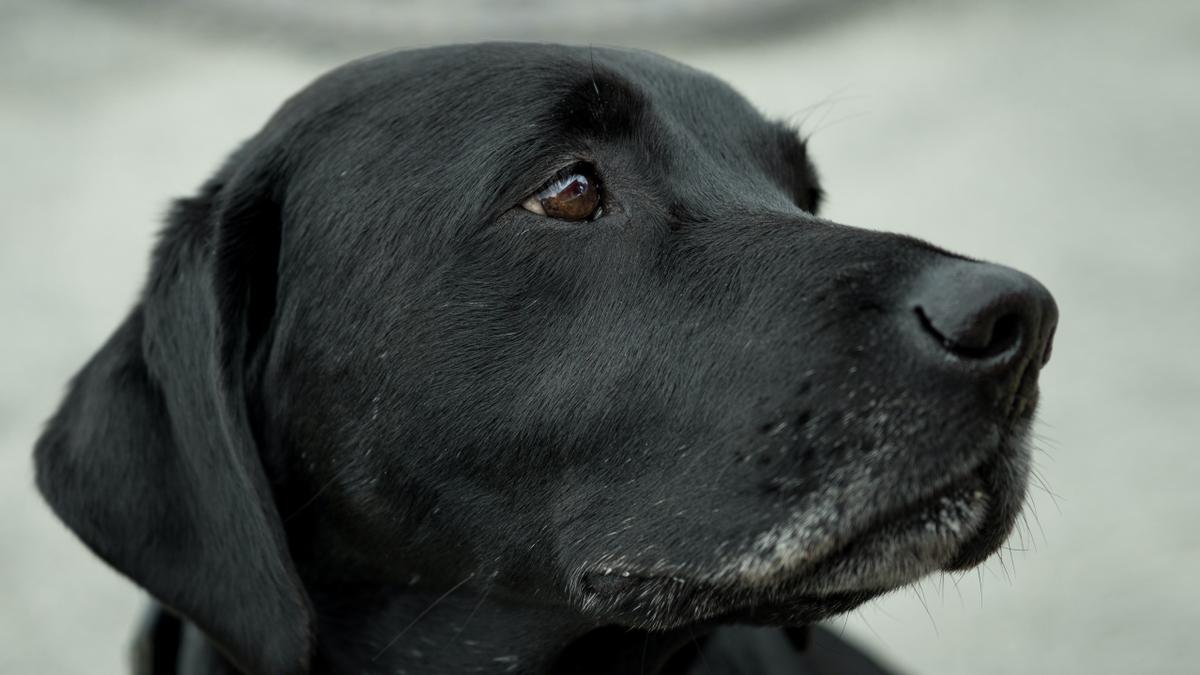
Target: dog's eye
x,y
572,195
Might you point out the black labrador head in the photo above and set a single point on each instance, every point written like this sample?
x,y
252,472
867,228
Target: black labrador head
x,y
557,322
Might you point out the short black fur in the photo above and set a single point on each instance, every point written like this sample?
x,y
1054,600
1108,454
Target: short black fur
x,y
369,415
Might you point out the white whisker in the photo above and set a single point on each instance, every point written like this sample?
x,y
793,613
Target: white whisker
x,y
420,616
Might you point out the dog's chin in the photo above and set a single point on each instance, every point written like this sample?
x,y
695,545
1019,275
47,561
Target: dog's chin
x,y
793,575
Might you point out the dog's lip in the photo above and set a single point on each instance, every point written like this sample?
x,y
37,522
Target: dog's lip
x,y
935,525
950,511
926,512
907,543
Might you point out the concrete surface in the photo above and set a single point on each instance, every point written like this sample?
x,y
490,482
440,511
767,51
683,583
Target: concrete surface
x,y
1063,139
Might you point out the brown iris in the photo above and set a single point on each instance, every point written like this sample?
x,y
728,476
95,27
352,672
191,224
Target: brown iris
x,y
573,195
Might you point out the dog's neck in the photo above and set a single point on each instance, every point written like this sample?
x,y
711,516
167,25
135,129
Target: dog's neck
x,y
459,625
461,632
433,631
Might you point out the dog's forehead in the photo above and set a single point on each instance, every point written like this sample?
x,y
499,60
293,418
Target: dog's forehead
x,y
675,88
497,118
514,85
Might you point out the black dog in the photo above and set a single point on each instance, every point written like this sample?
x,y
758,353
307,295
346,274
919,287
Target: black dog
x,y
536,359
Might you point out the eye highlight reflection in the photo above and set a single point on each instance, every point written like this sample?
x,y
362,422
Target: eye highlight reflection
x,y
573,195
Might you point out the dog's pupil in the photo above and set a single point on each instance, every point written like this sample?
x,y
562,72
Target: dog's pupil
x,y
576,200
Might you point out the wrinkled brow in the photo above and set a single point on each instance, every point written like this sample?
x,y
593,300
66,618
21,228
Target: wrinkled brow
x,y
600,105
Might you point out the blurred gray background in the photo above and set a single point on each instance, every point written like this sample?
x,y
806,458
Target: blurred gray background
x,y
1062,138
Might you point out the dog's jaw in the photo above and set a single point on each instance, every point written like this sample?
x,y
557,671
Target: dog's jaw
x,y
897,551
822,560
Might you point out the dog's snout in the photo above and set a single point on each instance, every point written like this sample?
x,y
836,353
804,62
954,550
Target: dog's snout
x,y
986,316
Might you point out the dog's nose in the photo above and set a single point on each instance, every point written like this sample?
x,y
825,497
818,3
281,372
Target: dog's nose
x,y
985,316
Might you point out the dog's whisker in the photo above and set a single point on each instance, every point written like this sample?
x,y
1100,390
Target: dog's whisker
x,y
482,597
841,120
823,106
862,617
592,64
1022,525
836,96
921,596
311,500
1045,453
883,610
820,122
1026,539
1040,482
421,615
1041,437
962,603
979,576
696,643
1004,565
1038,521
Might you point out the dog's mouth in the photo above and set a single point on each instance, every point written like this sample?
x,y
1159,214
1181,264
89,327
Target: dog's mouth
x,y
799,572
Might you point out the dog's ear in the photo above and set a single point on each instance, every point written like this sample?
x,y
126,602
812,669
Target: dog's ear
x,y
151,459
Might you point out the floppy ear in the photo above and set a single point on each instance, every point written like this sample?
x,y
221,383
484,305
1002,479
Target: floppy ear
x,y
151,459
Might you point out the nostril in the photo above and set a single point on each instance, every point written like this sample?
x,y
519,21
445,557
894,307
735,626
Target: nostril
x,y
984,315
980,336
1006,333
